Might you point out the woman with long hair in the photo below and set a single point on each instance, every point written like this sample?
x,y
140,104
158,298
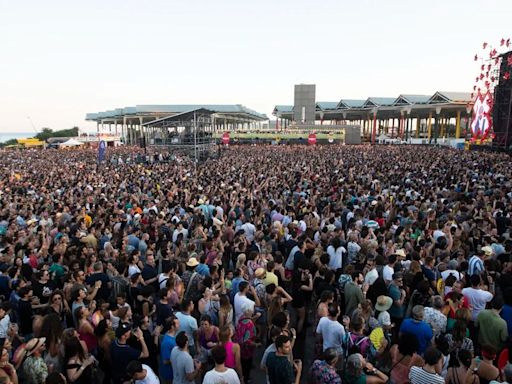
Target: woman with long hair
x,y
246,337
458,339
78,367
458,373
105,336
233,360
403,356
85,328
225,312
51,329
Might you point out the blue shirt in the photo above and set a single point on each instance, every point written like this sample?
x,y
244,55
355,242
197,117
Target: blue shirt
x,y
168,343
421,330
203,270
506,314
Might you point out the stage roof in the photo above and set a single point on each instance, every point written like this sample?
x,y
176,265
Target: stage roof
x,y
152,110
388,106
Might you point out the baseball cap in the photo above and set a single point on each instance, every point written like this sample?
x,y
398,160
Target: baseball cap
x,y
122,329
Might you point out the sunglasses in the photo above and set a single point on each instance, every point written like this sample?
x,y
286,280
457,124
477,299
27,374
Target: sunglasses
x,y
57,298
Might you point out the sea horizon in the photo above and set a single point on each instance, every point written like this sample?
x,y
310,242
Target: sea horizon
x,y
5,136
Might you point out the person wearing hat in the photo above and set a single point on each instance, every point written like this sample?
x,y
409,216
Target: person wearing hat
x,y
380,336
121,353
383,303
34,368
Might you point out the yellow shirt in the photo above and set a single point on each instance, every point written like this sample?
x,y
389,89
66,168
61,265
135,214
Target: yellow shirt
x,y
271,278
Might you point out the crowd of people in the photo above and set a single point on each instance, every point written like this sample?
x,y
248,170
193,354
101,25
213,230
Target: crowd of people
x,y
289,264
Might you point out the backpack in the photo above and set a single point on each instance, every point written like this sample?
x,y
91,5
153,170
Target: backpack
x,y
245,330
353,343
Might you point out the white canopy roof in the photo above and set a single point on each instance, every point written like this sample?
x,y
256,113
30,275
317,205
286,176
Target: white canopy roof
x,y
71,143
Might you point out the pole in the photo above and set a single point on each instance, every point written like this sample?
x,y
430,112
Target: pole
x,y
374,127
195,139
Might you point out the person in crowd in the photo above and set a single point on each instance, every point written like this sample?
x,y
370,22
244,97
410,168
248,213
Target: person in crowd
x,y
430,372
279,368
359,371
184,368
324,371
220,373
93,249
141,373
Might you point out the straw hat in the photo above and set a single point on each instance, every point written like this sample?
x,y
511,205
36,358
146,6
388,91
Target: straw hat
x,y
34,344
383,303
192,262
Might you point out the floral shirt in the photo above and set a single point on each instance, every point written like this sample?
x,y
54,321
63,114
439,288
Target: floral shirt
x,y
35,370
323,373
436,320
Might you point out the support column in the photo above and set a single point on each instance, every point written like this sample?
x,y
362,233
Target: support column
x,y
457,126
436,128
429,127
418,127
374,131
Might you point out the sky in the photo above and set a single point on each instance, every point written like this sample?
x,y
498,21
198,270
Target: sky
x,y
62,59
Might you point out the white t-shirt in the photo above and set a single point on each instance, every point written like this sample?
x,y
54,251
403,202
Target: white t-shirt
x,y
240,301
150,378
249,231
387,273
371,276
477,298
227,377
332,333
133,269
448,272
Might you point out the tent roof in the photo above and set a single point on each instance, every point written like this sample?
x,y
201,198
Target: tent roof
x,y
71,142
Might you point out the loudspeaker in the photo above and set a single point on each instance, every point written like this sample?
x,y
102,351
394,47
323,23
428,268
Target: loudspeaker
x,y
502,110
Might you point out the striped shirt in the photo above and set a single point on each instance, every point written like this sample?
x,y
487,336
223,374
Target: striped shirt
x,y
418,375
476,266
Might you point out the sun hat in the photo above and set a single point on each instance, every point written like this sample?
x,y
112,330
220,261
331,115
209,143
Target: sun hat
x,y
192,262
383,303
259,273
34,344
400,252
487,250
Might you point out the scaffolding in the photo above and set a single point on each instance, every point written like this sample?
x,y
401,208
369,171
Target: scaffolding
x,y
188,133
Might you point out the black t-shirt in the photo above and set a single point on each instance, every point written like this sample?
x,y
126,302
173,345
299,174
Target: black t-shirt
x,y
25,314
104,291
121,355
44,290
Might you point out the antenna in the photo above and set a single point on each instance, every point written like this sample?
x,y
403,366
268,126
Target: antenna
x,y
32,124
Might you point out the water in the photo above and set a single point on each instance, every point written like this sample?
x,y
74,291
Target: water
x,y
4,136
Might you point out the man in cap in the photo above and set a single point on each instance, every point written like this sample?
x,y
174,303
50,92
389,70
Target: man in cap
x,y
121,353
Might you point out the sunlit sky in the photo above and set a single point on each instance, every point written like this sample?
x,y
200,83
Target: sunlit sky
x,y
62,59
